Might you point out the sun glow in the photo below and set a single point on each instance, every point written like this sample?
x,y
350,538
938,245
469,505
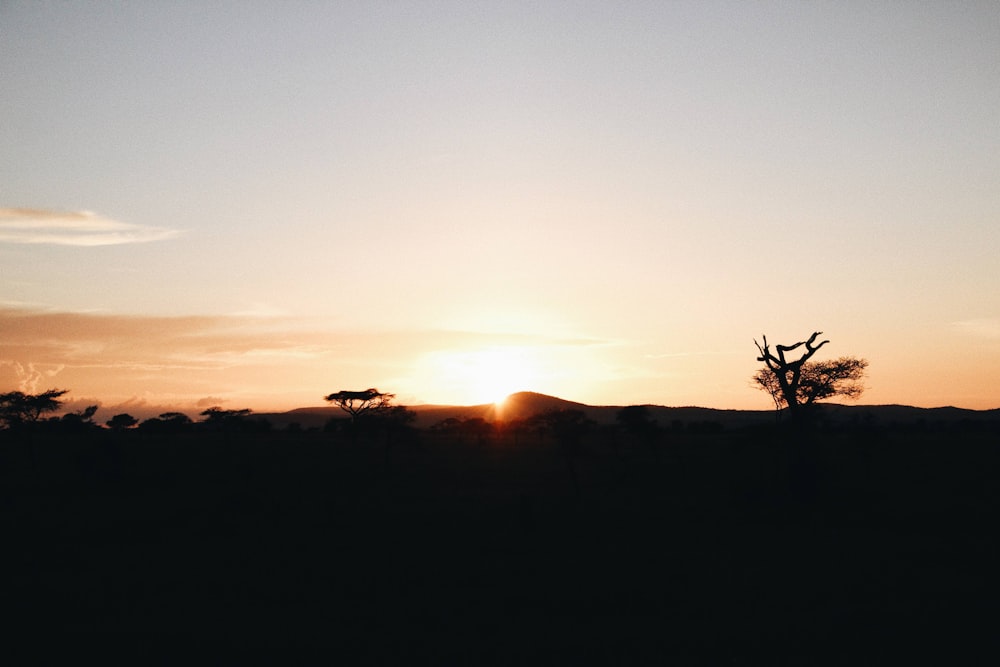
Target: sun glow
x,y
485,375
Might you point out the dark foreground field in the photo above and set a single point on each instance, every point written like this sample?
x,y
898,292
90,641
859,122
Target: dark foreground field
x,y
715,549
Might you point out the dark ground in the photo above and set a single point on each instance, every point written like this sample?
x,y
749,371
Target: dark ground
x,y
728,548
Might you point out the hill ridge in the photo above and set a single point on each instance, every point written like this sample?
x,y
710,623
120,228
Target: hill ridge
x,y
524,404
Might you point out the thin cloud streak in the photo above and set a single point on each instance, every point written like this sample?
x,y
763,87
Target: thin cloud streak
x,y
76,228
985,327
277,363
29,376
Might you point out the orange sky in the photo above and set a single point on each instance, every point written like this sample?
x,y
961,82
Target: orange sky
x,y
148,365
256,207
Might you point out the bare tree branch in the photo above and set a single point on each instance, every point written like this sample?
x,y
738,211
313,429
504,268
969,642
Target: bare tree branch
x,y
800,382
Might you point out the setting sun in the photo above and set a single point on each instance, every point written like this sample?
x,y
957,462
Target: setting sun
x,y
485,375
474,199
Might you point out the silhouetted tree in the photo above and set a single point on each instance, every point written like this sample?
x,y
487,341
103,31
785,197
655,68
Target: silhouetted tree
x,y
168,422
358,403
233,420
797,384
18,408
79,421
217,414
178,418
819,380
122,422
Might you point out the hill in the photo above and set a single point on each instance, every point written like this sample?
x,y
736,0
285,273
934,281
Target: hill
x,y
525,404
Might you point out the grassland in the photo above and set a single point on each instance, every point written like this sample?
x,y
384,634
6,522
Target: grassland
x,y
727,547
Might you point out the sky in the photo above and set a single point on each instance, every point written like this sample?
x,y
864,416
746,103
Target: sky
x,y
255,204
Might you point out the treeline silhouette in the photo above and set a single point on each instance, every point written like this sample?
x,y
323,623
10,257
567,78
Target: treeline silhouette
x,y
546,540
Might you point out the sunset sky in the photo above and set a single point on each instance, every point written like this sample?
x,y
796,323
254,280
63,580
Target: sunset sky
x,y
254,204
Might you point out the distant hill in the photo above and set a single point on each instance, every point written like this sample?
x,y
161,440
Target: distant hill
x,y
889,415
526,404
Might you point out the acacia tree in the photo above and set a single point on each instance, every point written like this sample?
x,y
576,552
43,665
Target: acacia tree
x,y
168,422
17,408
360,403
228,421
81,420
122,422
798,383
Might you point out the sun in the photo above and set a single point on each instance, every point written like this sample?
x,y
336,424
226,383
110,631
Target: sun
x,y
484,375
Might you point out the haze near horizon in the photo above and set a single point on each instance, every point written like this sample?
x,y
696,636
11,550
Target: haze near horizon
x,y
257,204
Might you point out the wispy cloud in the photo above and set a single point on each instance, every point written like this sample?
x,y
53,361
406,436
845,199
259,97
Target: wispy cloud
x,y
30,376
75,228
260,362
984,327
172,362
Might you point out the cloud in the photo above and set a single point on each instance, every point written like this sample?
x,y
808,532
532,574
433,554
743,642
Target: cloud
x,y
262,363
209,402
29,377
984,327
144,344
79,228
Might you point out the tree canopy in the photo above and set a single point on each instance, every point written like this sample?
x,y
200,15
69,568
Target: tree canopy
x,y
819,380
359,403
798,383
122,422
17,408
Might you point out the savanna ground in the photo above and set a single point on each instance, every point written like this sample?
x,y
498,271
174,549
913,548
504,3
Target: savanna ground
x,y
725,548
